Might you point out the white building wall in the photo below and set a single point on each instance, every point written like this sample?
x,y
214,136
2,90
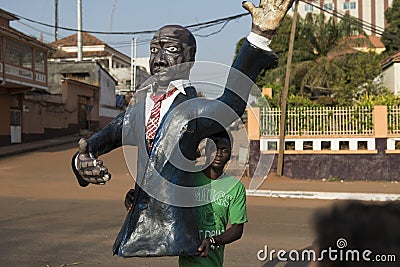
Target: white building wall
x,y
353,12
366,6
107,85
317,143
367,13
391,78
388,78
380,15
396,78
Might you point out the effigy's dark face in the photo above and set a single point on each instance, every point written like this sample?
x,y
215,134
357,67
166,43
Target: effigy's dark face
x,y
170,47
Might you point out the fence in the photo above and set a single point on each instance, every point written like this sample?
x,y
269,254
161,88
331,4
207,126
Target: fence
x,y
324,121
394,120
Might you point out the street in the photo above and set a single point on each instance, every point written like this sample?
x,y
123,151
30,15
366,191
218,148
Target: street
x,y
46,219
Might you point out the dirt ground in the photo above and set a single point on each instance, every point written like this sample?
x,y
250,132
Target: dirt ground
x,y
46,219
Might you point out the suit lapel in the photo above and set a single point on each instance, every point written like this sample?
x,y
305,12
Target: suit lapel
x,y
180,98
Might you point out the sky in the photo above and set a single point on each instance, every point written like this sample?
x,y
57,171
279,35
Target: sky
x,y
131,15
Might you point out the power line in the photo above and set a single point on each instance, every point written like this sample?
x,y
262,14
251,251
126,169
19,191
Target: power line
x,y
203,25
36,29
213,33
196,27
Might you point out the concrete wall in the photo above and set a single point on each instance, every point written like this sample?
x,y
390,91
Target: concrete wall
x,y
72,90
45,116
107,87
380,166
376,159
5,119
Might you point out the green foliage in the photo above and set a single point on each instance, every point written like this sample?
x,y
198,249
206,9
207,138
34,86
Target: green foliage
x,y
388,99
277,89
238,46
391,35
319,41
320,34
325,61
361,71
300,101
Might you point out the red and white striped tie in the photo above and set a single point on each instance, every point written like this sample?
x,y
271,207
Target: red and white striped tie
x,y
152,123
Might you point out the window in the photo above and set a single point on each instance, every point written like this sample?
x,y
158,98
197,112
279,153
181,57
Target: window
x,y
349,5
15,117
308,8
326,145
18,54
362,145
308,145
328,6
397,144
344,145
40,58
79,76
272,145
289,145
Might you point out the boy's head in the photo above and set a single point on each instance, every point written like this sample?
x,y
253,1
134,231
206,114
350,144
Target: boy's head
x,y
222,151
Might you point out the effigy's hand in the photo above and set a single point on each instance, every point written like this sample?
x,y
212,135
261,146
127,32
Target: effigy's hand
x,y
267,18
91,169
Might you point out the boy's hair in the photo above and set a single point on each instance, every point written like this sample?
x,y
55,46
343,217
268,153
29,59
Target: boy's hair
x,y
223,135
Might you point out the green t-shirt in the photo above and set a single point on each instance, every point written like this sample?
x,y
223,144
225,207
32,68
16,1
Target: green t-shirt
x,y
226,198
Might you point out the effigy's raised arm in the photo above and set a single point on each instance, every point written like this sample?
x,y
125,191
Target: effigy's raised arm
x,y
254,56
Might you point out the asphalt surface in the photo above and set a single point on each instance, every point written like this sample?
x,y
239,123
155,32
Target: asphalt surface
x,y
46,219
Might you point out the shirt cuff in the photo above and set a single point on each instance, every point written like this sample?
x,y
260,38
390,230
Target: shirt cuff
x,y
259,41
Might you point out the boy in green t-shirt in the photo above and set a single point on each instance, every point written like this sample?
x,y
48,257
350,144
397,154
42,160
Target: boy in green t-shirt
x,y
226,198
226,201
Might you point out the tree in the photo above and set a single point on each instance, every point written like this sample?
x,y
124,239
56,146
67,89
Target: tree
x,y
325,62
318,41
361,78
391,35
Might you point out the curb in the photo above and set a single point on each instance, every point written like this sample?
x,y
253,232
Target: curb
x,y
22,150
324,195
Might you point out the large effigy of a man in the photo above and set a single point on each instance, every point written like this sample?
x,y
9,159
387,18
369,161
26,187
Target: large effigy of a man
x,y
166,121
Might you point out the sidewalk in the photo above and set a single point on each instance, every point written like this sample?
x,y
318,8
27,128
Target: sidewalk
x,y
273,186
16,149
284,187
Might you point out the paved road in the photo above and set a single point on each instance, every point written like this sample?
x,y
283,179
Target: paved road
x,y
46,219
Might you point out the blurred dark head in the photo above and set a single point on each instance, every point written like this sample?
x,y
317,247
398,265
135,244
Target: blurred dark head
x,y
358,226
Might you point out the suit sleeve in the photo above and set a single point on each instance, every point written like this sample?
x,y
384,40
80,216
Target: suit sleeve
x,y
250,61
102,142
108,138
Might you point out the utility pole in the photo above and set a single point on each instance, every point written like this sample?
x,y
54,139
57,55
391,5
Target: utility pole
x,y
56,20
282,124
79,30
133,65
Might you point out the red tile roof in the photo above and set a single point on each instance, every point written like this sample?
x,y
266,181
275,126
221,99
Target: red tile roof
x,y
395,58
64,54
87,40
375,40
